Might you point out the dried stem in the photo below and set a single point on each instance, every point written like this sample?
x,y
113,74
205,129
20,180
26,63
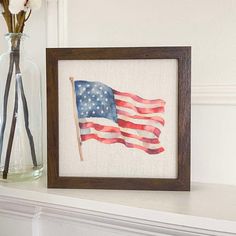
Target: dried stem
x,y
5,101
28,16
12,133
25,107
26,115
21,22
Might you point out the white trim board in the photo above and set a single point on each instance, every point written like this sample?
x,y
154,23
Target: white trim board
x,y
56,23
214,94
52,23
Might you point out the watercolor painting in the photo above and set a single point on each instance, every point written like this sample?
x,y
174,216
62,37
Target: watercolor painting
x,y
136,121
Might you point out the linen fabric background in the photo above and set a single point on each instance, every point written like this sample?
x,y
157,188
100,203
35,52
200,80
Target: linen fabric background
x,y
150,79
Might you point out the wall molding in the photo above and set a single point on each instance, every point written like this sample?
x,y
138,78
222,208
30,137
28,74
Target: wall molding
x,y
52,23
62,21
214,94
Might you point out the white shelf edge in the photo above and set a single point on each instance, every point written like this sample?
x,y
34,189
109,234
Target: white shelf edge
x,y
112,214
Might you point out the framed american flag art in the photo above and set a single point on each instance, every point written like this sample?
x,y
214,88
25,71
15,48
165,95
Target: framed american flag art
x,y
119,118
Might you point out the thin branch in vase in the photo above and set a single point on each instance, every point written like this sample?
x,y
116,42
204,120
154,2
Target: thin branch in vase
x,y
27,18
12,132
26,113
25,105
21,22
13,22
5,101
7,15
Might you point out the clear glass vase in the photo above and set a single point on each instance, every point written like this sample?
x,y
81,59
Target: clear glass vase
x,y
20,114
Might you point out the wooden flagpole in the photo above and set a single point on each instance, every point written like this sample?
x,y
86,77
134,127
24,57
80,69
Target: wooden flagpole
x,y
76,119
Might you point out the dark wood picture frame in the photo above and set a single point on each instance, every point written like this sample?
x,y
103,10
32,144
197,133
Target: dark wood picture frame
x,y
182,55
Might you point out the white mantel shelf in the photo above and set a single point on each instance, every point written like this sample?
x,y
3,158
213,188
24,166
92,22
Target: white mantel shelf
x,y
207,210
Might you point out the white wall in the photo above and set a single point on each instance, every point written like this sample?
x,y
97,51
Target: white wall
x,y
207,25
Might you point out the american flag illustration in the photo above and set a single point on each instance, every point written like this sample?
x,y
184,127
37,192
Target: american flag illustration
x,y
110,116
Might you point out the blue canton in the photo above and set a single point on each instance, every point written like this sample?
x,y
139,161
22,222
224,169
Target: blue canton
x,y
95,99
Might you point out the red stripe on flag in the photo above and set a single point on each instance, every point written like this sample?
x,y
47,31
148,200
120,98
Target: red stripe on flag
x,y
139,109
154,118
159,102
130,125
122,141
111,129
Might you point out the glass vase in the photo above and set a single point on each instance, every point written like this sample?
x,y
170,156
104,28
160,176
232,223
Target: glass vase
x,y
20,113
